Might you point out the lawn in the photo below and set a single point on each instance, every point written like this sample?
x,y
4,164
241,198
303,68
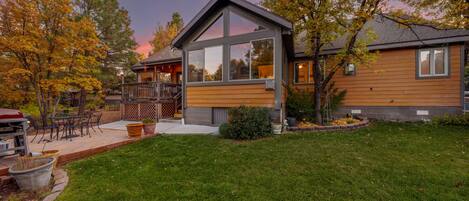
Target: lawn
x,y
387,161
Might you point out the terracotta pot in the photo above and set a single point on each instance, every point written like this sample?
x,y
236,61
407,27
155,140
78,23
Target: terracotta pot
x,y
134,130
149,129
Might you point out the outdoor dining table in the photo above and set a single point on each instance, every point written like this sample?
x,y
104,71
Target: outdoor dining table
x,y
67,122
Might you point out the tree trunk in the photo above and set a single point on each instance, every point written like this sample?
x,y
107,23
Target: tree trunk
x,y
317,81
81,109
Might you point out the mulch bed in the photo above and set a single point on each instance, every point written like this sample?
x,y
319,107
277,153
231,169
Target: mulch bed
x,y
363,123
10,191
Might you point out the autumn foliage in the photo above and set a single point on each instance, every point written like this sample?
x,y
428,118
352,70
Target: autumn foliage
x,y
46,49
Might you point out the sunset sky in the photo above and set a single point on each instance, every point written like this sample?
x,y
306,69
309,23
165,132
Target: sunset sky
x,y
147,14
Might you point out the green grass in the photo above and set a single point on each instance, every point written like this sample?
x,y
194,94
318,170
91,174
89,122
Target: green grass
x,y
387,161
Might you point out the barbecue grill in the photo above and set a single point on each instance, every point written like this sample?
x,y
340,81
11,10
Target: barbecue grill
x,y
13,127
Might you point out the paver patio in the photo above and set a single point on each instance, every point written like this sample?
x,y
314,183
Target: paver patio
x,y
114,135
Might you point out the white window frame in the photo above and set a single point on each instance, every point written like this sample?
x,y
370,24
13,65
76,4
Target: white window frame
x,y
432,62
203,71
250,62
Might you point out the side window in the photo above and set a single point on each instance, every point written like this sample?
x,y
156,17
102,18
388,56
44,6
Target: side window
x,y
251,61
301,72
350,69
433,62
205,65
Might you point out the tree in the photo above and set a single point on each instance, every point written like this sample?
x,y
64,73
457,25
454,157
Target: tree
x,y
163,35
324,21
47,49
113,27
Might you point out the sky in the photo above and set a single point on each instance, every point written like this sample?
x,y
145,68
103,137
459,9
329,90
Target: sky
x,y
145,15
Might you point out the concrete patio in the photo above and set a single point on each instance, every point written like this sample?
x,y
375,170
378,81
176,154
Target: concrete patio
x,y
114,135
168,128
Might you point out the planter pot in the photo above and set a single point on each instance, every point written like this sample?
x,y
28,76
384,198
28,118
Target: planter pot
x,y
277,129
291,121
34,178
49,154
134,130
149,129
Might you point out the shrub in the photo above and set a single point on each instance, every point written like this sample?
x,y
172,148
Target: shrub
x,y
451,120
247,123
148,121
224,130
300,104
31,109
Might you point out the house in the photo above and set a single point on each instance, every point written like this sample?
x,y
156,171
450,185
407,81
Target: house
x,y
236,53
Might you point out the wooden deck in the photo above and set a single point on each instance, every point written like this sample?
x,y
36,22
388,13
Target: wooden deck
x,y
154,100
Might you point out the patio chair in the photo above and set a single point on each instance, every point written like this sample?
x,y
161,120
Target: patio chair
x,y
96,121
85,123
38,127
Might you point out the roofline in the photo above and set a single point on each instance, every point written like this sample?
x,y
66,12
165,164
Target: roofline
x,y
414,43
177,41
146,64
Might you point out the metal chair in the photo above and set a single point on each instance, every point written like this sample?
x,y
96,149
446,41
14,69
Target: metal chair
x,y
96,121
38,126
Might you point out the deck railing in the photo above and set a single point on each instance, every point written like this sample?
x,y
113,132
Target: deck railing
x,y
150,91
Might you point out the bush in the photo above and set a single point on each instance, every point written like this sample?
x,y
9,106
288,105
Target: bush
x,y
247,123
451,120
148,121
300,104
224,130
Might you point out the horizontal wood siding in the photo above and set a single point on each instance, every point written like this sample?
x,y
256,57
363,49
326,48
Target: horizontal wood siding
x,y
391,81
230,96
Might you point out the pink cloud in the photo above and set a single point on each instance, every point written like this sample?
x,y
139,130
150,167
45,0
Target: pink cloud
x,y
144,49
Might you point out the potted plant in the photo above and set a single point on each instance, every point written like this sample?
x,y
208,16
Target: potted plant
x,y
149,126
134,130
32,174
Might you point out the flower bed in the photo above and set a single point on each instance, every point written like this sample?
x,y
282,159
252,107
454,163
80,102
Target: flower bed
x,y
337,125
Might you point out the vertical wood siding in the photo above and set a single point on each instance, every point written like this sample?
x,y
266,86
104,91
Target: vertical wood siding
x,y
391,81
230,96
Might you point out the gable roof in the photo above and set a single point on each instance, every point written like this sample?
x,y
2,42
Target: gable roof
x,y
214,5
164,56
390,34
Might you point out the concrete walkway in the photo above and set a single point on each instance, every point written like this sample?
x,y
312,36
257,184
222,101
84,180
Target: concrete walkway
x,y
167,128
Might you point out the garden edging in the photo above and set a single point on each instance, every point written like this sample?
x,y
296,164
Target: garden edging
x,y
60,182
363,123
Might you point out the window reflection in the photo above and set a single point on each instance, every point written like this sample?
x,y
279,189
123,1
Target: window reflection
x,y
425,62
215,30
262,59
213,63
240,25
196,66
239,62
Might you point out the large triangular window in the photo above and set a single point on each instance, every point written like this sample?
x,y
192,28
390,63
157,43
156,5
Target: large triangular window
x,y
240,25
215,30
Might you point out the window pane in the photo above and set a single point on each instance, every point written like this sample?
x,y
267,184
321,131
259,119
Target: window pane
x,y
440,61
196,66
262,59
239,61
213,63
165,77
425,62
301,72
240,25
214,31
